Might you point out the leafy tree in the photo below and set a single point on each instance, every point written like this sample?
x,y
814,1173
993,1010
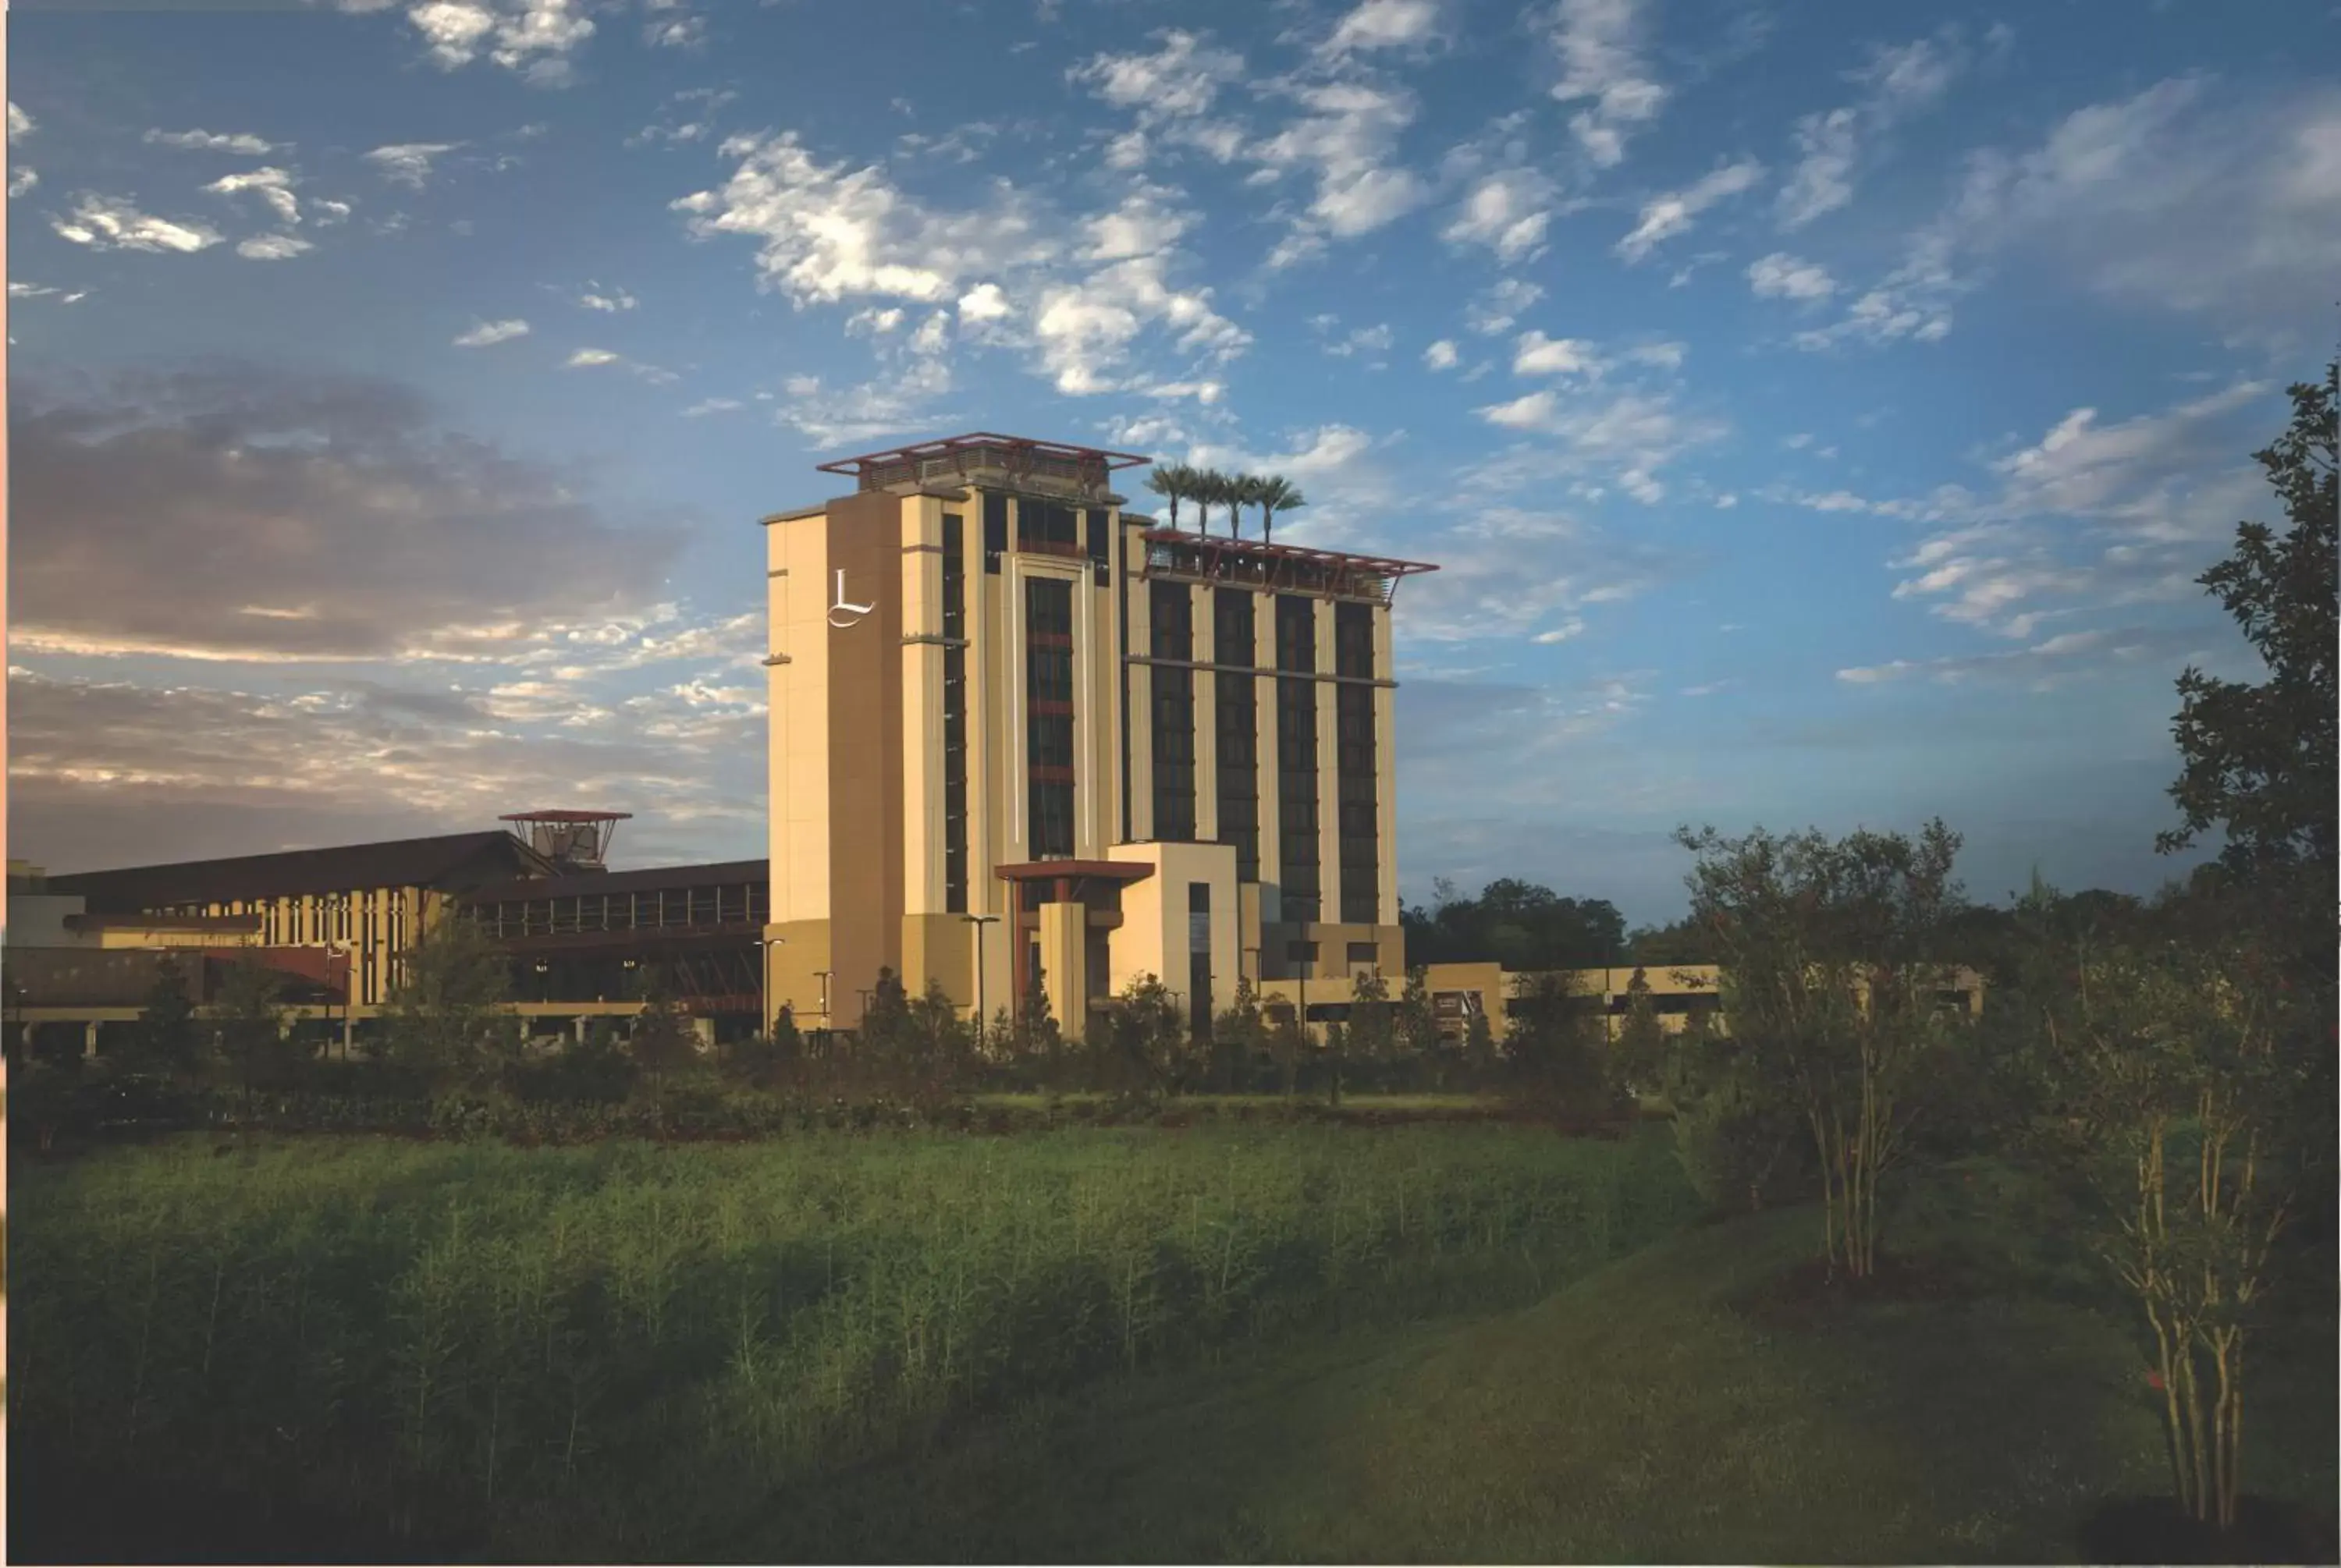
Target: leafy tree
x,y
664,1043
939,1042
2259,759
167,1038
261,1052
1478,1046
1830,975
1519,924
1641,1045
1239,1036
2178,1103
446,1018
1559,1059
1685,942
1415,1024
1038,1042
1148,1048
1734,1134
1373,1024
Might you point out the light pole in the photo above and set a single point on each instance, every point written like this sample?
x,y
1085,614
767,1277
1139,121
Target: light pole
x,y
979,922
824,977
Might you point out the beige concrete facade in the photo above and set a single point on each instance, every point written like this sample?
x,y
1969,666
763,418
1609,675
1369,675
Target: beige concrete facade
x,y
872,865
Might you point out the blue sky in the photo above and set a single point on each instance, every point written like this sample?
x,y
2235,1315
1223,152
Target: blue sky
x,y
1818,411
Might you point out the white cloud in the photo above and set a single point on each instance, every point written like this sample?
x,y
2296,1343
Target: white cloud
x,y
408,162
1781,276
20,124
1385,24
208,142
273,247
827,233
21,181
22,290
1625,438
1900,82
888,406
1178,80
1537,355
325,214
984,302
1507,212
712,405
593,299
484,333
1664,217
1498,305
106,223
1347,139
1600,45
533,37
274,186
2178,200
586,358
2043,665
1440,355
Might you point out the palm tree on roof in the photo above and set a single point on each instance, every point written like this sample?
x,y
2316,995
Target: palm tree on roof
x,y
1248,491
1275,493
1174,482
1211,490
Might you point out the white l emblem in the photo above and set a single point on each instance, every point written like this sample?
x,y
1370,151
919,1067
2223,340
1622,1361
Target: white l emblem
x,y
854,612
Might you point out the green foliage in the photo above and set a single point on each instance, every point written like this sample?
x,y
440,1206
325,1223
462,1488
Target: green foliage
x,y
619,1352
662,1043
1832,955
167,1039
1736,1143
2259,759
1146,1050
597,1069
1559,1055
1523,926
261,1052
1240,1039
1642,1046
445,1022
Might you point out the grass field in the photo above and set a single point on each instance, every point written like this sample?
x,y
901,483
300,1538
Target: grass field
x,y
601,1351
1477,1343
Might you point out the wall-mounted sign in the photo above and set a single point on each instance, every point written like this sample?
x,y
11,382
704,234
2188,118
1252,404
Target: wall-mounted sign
x,y
853,613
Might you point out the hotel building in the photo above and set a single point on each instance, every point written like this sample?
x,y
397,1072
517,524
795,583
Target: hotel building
x,y
1020,738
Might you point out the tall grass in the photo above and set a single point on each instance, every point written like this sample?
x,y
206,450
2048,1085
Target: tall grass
x,y
609,1350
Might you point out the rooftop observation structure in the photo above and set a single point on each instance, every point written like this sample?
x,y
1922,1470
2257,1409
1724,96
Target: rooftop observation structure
x,y
1174,555
985,459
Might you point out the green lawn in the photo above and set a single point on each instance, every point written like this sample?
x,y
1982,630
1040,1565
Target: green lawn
x,y
1644,1415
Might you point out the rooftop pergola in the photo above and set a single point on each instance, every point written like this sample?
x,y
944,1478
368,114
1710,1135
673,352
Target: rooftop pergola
x,y
956,457
1288,568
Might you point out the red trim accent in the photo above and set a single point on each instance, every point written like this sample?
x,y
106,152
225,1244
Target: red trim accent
x,y
567,817
1049,870
1386,566
1014,444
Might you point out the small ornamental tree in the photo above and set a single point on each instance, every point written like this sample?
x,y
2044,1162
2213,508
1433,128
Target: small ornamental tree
x,y
1239,1039
664,1044
1147,1047
1830,968
261,1055
446,1020
1478,1046
1373,1026
938,1045
2179,1102
1040,1044
1415,1025
1560,1062
167,1039
1641,1045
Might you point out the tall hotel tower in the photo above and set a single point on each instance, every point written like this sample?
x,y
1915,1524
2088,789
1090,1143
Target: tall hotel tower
x,y
1020,738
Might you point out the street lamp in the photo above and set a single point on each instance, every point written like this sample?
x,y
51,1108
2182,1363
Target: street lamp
x,y
979,922
823,975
